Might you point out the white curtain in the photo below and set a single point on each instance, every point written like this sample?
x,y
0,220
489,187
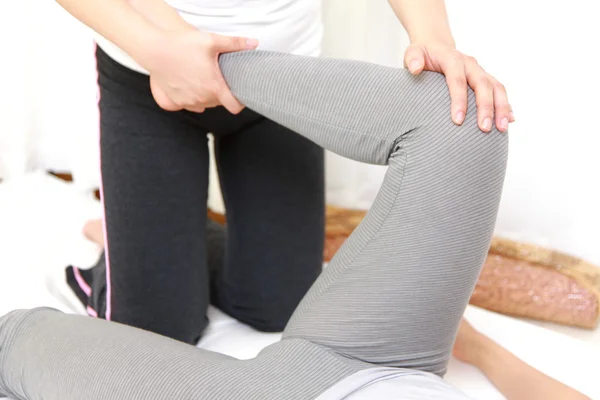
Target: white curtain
x,y
14,103
48,113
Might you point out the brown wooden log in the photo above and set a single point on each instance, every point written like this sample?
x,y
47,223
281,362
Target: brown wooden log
x,y
534,282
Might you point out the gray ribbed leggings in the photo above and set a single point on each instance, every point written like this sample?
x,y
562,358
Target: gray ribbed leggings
x,y
392,296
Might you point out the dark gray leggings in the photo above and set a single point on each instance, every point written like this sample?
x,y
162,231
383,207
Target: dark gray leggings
x,y
155,182
392,296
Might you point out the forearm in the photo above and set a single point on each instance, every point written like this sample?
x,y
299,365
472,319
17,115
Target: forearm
x,y
120,22
161,14
426,21
518,381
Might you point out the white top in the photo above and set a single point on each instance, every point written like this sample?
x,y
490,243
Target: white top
x,y
291,26
392,384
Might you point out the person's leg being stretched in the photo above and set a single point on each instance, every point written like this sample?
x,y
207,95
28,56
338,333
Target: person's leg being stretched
x,y
394,294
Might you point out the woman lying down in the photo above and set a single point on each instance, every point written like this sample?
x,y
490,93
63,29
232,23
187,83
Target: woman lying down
x,y
381,320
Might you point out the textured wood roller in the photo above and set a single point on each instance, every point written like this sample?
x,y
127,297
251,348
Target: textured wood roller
x,y
531,281
517,279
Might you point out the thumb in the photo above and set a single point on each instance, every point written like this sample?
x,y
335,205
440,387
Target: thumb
x,y
228,44
414,59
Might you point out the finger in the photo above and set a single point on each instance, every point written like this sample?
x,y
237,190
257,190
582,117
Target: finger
x,y
228,44
162,99
457,85
479,80
224,96
196,108
414,59
502,109
228,100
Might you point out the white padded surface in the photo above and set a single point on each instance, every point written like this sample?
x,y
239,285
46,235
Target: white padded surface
x,y
40,232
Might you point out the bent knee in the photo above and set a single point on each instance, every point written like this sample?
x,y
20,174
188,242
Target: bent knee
x,y
18,318
431,129
16,323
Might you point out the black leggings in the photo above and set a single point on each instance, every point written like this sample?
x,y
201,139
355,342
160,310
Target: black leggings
x,y
155,180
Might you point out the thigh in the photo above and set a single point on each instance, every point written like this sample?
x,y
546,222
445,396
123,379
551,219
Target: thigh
x,y
154,181
394,294
273,186
45,354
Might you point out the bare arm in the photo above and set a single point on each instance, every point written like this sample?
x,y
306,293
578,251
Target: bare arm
x,y
426,21
518,380
119,22
161,14
515,379
433,49
182,60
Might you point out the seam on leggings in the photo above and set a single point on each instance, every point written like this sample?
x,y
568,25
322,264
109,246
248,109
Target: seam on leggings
x,y
358,252
108,311
313,120
248,125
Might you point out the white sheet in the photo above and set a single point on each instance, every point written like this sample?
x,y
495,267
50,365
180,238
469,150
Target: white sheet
x,y
40,232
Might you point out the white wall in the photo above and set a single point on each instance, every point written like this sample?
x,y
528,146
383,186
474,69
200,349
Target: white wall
x,y
369,31
547,54
544,51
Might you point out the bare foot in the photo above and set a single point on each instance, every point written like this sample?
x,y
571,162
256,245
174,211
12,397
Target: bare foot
x,y
94,231
469,344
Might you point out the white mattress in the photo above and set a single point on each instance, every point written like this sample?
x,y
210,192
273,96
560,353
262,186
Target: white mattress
x,y
40,232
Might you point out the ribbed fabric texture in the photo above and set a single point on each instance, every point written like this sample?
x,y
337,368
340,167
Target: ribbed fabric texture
x,y
67,357
392,296
395,292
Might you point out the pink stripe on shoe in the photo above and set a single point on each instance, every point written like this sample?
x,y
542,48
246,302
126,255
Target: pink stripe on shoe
x,y
91,312
81,282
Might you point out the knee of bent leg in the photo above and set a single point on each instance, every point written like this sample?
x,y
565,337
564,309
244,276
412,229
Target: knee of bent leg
x,y
14,324
433,131
20,319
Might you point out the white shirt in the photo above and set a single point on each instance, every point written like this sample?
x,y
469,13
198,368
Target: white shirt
x,y
392,384
291,26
